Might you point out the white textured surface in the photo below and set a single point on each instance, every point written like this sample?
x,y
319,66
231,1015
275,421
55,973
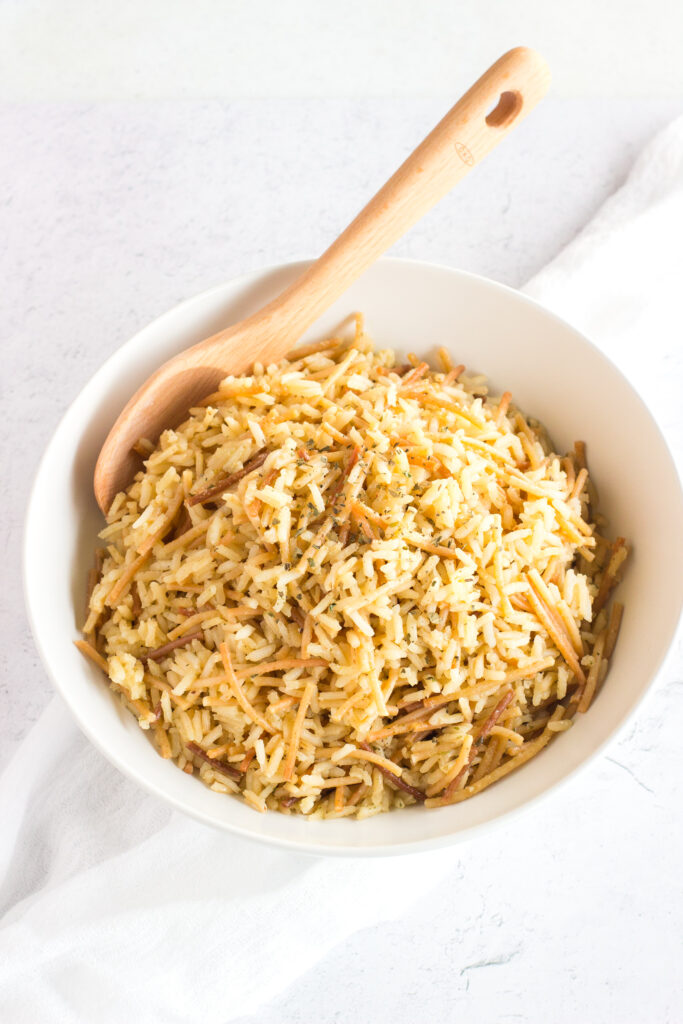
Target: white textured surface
x,y
75,49
112,213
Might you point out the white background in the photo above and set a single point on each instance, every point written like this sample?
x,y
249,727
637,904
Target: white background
x,y
151,149
199,48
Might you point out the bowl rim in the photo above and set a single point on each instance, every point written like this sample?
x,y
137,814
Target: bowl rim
x,y
312,847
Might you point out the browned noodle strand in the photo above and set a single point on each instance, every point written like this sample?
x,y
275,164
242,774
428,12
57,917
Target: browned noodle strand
x,y
229,481
182,641
459,775
397,782
215,763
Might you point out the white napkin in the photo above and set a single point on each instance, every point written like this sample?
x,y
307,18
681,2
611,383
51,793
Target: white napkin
x,y
620,281
115,906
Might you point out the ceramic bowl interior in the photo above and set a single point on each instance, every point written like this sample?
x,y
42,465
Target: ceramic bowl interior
x,y
553,373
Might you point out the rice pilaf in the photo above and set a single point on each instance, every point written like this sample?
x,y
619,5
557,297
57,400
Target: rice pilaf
x,y
343,586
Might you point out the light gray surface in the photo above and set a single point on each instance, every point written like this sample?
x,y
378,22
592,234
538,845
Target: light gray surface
x,y
74,49
111,213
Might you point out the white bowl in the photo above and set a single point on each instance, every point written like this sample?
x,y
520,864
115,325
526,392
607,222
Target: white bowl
x,y
553,373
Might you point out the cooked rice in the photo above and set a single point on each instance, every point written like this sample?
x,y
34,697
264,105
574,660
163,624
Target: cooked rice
x,y
342,586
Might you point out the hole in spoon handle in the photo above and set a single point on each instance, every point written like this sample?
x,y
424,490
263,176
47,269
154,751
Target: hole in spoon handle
x,y
506,109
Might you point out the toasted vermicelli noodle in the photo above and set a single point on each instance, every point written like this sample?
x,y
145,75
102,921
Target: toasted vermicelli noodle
x,y
343,586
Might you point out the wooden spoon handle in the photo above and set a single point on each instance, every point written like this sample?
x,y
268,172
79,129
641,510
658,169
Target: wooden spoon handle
x,y
484,116
478,122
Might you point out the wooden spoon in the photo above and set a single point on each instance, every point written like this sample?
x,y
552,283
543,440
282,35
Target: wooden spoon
x,y
477,123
